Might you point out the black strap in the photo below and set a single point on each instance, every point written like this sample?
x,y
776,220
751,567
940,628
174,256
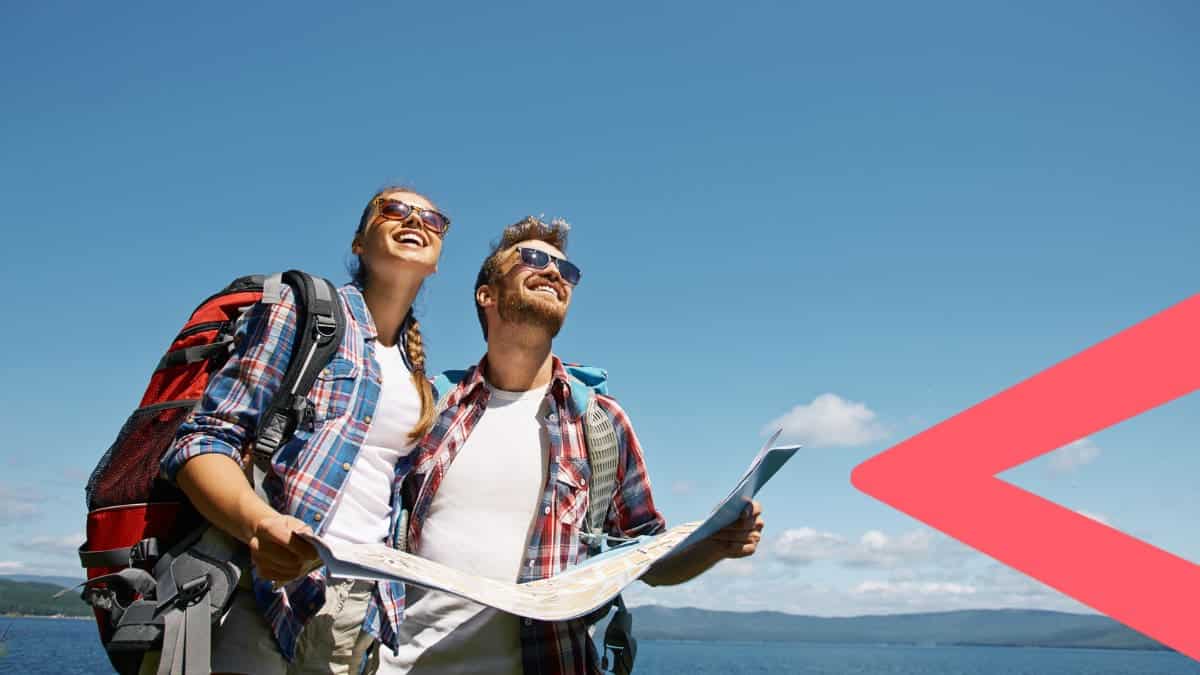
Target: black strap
x,y
194,354
320,325
145,550
618,639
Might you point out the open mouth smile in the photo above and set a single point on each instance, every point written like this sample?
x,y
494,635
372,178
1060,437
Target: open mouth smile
x,y
540,285
409,237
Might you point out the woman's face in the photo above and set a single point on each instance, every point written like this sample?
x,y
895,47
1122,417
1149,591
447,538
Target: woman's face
x,y
394,247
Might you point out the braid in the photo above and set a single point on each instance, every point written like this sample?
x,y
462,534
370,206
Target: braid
x,y
416,355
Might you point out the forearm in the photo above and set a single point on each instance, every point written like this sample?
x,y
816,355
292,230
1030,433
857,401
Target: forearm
x,y
685,567
218,489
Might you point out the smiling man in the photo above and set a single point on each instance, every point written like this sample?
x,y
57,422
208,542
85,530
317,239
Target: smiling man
x,y
499,488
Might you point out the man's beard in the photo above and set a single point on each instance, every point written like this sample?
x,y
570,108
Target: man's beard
x,y
514,307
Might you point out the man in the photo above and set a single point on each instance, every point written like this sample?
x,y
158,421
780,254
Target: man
x,y
500,486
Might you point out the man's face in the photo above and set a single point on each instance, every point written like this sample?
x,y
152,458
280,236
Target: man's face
x,y
526,295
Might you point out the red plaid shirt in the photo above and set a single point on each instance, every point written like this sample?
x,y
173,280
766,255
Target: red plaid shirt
x,y
548,648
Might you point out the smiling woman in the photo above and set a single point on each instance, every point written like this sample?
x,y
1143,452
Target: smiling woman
x,y
337,475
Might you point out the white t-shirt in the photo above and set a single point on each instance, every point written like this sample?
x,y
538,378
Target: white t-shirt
x,y
479,522
363,512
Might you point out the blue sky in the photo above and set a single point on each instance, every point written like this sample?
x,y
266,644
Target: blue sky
x,y
859,219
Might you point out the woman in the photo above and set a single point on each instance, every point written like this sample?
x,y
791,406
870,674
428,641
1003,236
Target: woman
x,y
340,473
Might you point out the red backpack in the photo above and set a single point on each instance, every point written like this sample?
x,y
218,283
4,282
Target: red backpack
x,y
158,575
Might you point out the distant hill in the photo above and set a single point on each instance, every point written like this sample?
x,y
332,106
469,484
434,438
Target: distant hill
x,y
37,599
996,627
65,582
1000,627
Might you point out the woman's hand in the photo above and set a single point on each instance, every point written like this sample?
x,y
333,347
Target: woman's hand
x,y
278,552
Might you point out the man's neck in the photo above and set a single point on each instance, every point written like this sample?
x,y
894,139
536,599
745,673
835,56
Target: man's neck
x,y
515,364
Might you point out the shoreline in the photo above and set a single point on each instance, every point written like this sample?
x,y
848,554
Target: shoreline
x,y
8,615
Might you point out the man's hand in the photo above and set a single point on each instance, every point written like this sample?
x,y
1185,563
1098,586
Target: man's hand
x,y
278,553
741,537
737,540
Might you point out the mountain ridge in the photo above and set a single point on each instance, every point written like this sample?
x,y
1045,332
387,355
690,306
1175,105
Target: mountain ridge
x,y
997,627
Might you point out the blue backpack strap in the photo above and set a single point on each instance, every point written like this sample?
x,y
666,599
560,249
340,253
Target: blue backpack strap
x,y
444,383
601,439
585,380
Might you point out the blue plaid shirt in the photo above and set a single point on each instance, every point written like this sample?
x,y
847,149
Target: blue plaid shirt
x,y
310,470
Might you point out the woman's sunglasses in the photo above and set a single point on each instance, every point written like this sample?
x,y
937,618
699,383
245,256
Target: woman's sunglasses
x,y
394,209
532,257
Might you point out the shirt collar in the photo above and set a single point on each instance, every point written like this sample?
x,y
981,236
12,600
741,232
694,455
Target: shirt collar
x,y
358,310
560,385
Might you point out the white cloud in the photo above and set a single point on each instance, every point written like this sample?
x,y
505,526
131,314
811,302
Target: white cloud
x,y
1100,518
921,588
773,585
11,565
873,550
65,545
683,487
15,506
876,549
805,545
829,421
734,567
1074,455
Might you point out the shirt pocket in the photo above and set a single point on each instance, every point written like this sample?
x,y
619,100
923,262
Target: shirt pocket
x,y
331,393
571,492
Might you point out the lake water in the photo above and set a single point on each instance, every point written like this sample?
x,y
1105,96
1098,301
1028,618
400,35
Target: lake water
x,y
69,647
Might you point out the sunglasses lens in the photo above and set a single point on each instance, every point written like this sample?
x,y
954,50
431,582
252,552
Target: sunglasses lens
x,y
398,210
435,221
570,273
540,259
535,258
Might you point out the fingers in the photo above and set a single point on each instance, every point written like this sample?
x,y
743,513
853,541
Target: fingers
x,y
738,549
277,553
751,538
751,520
741,537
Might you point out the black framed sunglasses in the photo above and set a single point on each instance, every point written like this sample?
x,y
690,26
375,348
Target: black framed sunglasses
x,y
537,259
394,209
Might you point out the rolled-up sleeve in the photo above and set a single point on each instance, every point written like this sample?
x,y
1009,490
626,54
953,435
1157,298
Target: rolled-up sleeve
x,y
633,512
239,391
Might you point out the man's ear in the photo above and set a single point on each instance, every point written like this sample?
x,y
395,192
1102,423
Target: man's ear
x,y
484,296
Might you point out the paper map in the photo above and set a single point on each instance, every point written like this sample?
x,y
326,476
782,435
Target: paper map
x,y
570,594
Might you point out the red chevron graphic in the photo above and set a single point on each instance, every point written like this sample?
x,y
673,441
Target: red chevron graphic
x,y
946,477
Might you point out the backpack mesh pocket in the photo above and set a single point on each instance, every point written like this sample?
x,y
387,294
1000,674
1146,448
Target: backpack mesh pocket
x,y
129,472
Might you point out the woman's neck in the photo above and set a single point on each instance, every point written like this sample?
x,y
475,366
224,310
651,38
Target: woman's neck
x,y
388,305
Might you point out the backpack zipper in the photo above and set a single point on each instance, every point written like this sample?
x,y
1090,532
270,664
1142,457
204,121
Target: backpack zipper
x,y
199,328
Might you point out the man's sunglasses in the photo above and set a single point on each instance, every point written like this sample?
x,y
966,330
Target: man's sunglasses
x,y
537,259
394,209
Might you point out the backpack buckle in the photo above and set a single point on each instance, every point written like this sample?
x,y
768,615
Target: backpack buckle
x,y
326,326
193,591
144,552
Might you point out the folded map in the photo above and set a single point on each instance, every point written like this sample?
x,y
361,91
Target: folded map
x,y
573,593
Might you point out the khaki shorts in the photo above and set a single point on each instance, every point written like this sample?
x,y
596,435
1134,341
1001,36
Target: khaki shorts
x,y
332,643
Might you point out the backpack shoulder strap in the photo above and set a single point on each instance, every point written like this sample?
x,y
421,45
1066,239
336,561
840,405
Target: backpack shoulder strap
x,y
320,325
444,383
600,436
